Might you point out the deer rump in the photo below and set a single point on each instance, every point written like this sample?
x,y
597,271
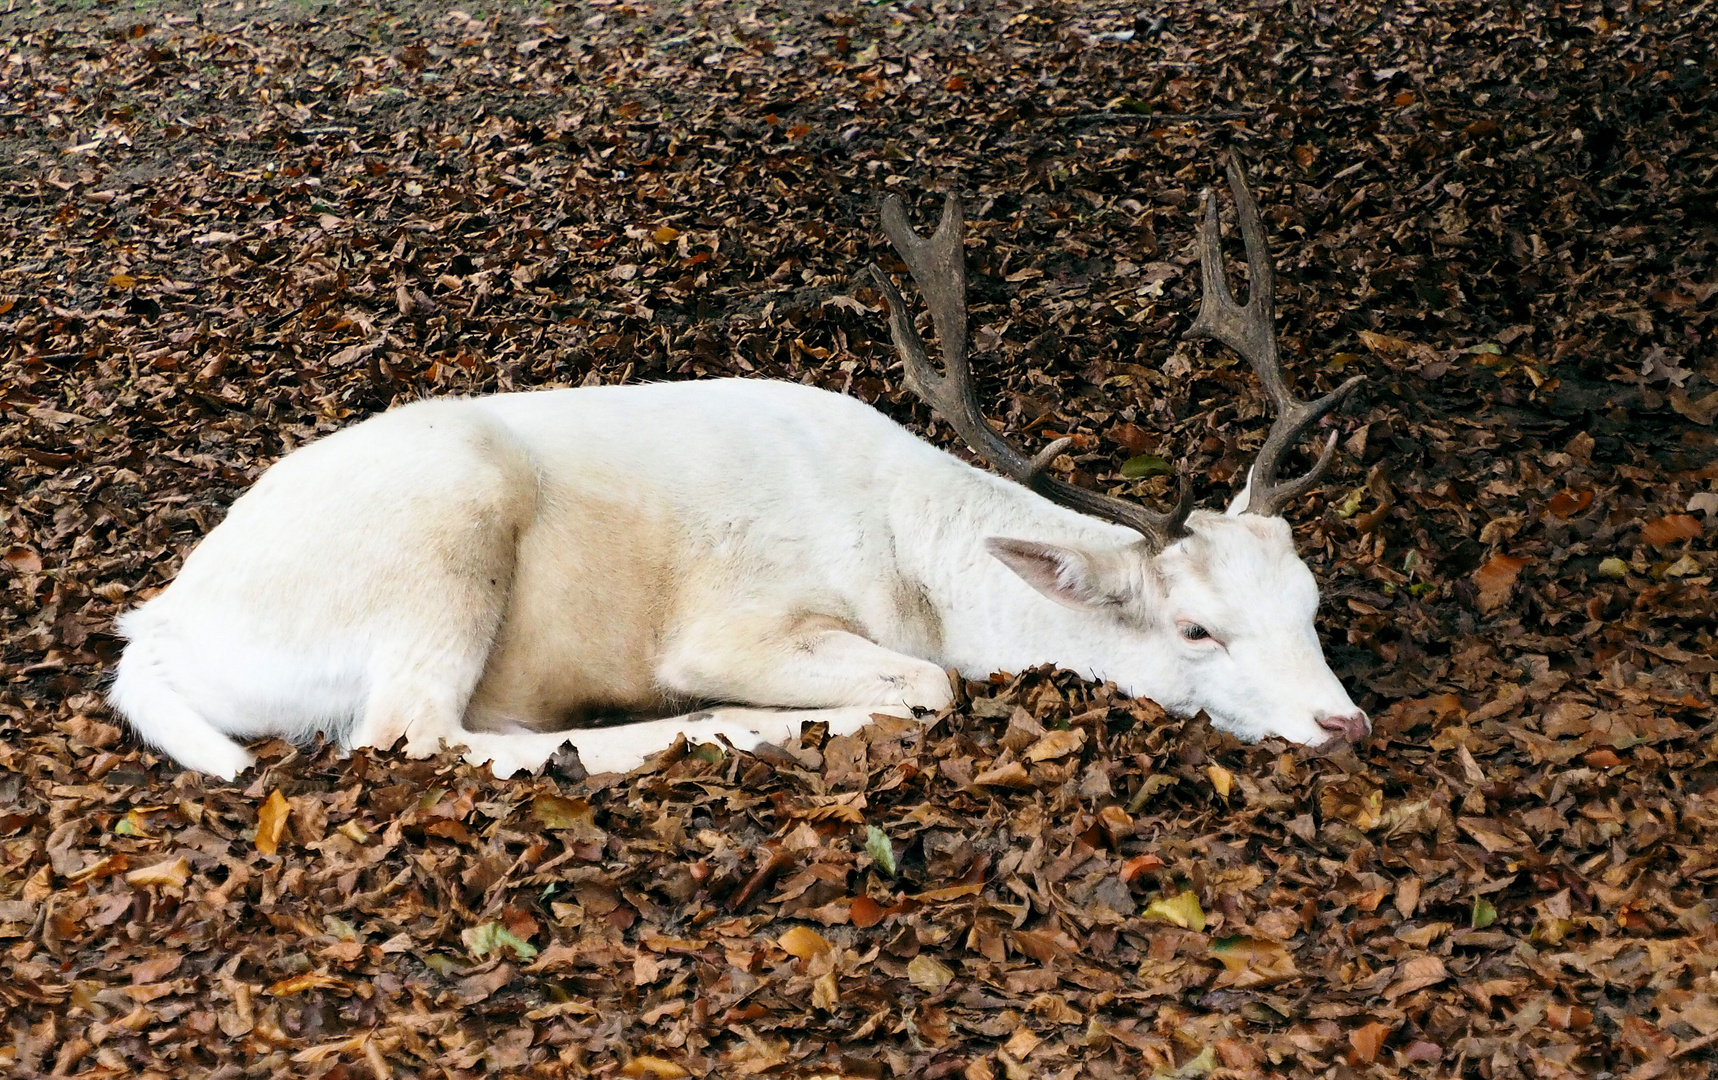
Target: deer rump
x,y
501,573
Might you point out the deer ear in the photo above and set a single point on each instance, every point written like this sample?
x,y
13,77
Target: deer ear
x,y
1069,576
1238,505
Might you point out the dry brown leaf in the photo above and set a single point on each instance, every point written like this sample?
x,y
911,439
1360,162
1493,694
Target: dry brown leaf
x,y
1670,529
1495,580
167,872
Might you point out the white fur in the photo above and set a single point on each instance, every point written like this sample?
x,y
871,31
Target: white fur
x,y
478,571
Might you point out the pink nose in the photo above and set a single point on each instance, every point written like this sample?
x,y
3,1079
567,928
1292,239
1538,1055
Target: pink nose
x,y
1350,727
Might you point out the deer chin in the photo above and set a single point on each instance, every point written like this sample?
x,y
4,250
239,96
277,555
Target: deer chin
x,y
1302,732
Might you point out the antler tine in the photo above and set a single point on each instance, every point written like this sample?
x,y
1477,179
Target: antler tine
x,y
938,267
1250,330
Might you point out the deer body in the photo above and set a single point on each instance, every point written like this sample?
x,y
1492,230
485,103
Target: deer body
x,y
501,572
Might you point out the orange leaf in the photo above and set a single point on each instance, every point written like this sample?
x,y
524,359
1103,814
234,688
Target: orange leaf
x,y
271,822
312,980
1138,865
1367,1042
1403,100
1567,504
956,83
803,942
865,912
23,560
1495,579
1602,759
1668,530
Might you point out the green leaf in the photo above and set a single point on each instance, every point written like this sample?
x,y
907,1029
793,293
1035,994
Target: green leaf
x,y
882,850
1350,504
1483,913
710,752
1135,468
340,928
482,940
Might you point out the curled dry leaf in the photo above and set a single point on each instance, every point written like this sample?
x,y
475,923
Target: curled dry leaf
x,y
173,872
1054,744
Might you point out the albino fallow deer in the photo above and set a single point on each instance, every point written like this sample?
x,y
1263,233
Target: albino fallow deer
x,y
500,572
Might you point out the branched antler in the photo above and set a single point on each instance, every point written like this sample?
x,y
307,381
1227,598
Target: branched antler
x,y
1251,331
938,266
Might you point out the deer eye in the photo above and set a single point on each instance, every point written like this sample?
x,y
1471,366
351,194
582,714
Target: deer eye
x,y
1193,632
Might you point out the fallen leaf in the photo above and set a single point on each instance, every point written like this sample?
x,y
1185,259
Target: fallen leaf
x,y
865,912
1416,974
168,872
1053,745
881,849
1483,914
486,938
928,974
1670,529
803,942
1182,909
1011,775
1366,1042
650,1067
1495,580
271,822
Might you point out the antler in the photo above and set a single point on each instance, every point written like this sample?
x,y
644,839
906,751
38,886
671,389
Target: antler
x,y
1251,331
938,266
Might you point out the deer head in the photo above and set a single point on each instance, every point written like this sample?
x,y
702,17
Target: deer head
x,y
1204,610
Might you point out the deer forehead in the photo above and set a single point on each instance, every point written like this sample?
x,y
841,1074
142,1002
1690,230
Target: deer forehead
x,y
1245,567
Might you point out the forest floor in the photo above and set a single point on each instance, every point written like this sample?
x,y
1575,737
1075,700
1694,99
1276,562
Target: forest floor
x,y
227,229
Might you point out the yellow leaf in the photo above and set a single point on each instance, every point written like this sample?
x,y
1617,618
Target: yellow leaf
x,y
928,973
653,1068
803,942
271,822
1384,344
665,235
122,281
170,872
1055,744
1221,779
1182,909
573,816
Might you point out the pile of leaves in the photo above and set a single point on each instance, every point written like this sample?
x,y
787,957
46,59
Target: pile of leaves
x,y
228,229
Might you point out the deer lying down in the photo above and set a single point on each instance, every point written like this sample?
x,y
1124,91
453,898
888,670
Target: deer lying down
x,y
498,573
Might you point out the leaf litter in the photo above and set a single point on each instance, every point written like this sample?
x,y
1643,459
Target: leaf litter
x,y
231,229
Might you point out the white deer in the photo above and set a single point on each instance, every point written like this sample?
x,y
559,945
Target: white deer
x,y
501,573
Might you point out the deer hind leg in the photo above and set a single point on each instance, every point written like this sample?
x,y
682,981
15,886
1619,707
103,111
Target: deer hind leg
x,y
813,669
625,747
